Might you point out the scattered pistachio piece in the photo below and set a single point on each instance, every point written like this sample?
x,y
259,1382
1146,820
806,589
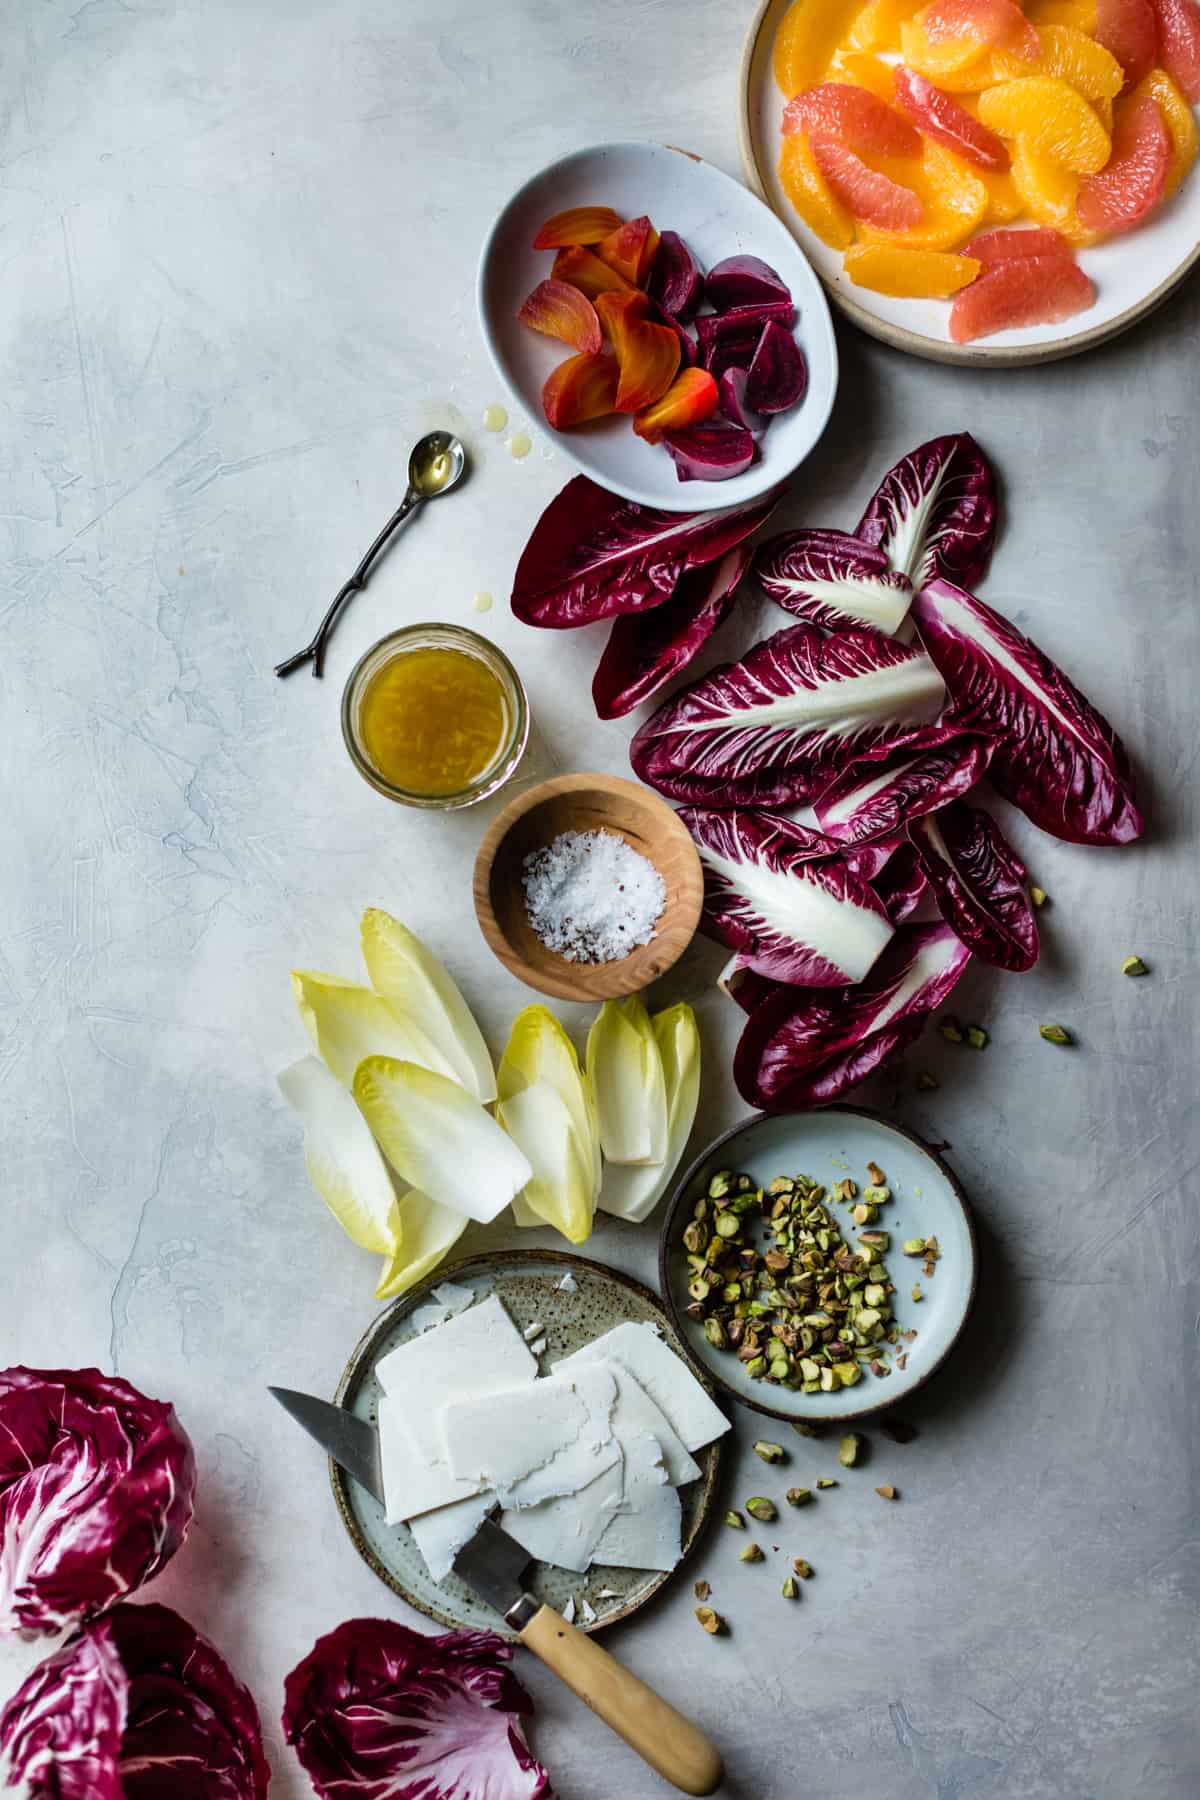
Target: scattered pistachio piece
x,y
951,1030
712,1621
702,1590
826,1481
849,1449
751,1553
1039,896
799,1497
789,1590
1133,965
876,1173
1055,1034
888,1492
977,1037
759,1507
770,1453
805,1428
913,1246
927,1083
916,1291
802,1568
735,1521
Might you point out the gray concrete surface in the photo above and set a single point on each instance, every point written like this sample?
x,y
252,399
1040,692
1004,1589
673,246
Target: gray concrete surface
x,y
238,247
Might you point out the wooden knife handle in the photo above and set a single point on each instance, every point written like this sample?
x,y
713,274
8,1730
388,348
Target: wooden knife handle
x,y
662,1737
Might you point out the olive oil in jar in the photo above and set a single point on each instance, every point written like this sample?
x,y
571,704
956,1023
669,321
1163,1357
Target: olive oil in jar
x,y
433,719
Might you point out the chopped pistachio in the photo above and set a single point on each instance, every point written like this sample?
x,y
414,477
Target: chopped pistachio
x,y
888,1492
1133,965
756,1366
702,1590
715,1332
712,1621
917,1293
876,1173
1039,896
849,1448
759,1507
977,1037
913,1246
951,1030
789,1590
726,1225
806,1428
751,1553
927,1083
798,1497
1055,1034
864,1213
803,1569
770,1453
735,1521
826,1481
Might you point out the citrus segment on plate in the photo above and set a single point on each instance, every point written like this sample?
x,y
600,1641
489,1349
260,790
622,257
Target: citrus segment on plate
x,y
1004,202
911,274
807,39
1134,180
1033,290
853,117
1006,246
1071,56
984,22
864,70
1079,13
944,118
959,65
1050,116
812,196
867,194
877,26
1180,122
953,199
1179,44
1049,190
1128,29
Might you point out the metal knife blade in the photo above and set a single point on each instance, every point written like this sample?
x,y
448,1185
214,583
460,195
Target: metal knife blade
x,y
494,1565
352,1443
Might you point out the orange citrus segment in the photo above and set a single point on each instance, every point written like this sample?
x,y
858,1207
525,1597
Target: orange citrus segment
x,y
805,42
1179,119
1091,69
811,195
1049,190
1081,14
877,26
959,68
909,274
954,198
1052,117
864,71
1004,201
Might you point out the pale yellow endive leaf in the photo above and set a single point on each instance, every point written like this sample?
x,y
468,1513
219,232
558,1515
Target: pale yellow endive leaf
x,y
539,1051
347,1021
561,1190
427,1233
417,986
342,1158
438,1138
631,1192
624,1066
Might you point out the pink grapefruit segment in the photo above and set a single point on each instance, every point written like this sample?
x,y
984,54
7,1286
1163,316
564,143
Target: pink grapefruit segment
x,y
941,116
984,22
863,191
1128,30
1134,179
1179,44
1016,243
1031,290
852,116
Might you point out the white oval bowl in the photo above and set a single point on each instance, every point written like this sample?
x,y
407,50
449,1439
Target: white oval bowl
x,y
717,217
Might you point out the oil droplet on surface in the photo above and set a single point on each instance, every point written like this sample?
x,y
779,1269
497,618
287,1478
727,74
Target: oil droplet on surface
x,y
494,418
482,601
519,445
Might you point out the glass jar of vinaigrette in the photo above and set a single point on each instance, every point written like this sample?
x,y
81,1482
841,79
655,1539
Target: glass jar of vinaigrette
x,y
435,716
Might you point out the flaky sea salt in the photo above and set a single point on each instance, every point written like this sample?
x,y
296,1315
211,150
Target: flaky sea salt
x,y
591,896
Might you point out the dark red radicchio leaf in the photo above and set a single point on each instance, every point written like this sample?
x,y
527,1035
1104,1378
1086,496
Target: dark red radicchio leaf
x,y
1053,754
834,580
901,884
592,555
745,985
646,650
978,881
776,727
935,512
96,1490
809,1046
136,1706
773,893
378,1711
876,795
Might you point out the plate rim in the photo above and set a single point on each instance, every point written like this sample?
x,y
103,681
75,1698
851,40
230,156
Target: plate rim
x,y
360,1364
689,503
762,1118
901,337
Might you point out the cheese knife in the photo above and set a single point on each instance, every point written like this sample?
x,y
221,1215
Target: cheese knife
x,y
494,1566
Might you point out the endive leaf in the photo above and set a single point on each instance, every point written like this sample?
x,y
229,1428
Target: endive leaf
x,y
417,986
624,1066
539,1050
561,1191
342,1158
439,1139
427,1232
633,1193
347,1022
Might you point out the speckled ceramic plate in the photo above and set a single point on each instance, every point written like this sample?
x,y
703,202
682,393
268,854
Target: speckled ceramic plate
x,y
929,1202
528,1285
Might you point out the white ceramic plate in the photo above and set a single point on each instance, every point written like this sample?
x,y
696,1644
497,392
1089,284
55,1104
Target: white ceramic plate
x,y
717,217
928,1202
1133,274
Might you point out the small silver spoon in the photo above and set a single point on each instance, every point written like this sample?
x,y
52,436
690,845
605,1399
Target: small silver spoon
x,y
437,464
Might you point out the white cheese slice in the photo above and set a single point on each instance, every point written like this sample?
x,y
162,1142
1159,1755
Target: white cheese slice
x,y
474,1354
645,1533
665,1377
549,1438
568,1611
566,1530
441,1534
636,1414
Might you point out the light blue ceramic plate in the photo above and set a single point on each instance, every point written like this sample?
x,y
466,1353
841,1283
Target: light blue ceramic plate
x,y
928,1202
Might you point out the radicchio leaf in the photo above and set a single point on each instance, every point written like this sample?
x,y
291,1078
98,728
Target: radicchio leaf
x,y
834,580
646,650
96,1490
1054,755
378,1711
935,512
773,893
808,1046
592,555
901,884
978,881
776,727
136,1706
877,794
